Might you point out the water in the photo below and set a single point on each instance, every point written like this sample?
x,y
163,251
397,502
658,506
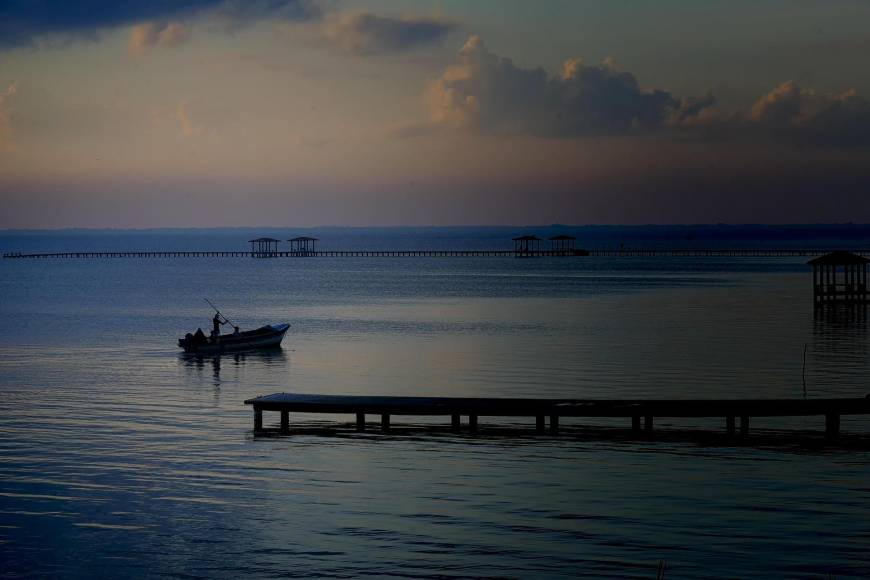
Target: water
x,y
121,457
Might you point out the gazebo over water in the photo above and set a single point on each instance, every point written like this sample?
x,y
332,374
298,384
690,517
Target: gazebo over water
x,y
527,245
840,277
264,247
303,245
562,245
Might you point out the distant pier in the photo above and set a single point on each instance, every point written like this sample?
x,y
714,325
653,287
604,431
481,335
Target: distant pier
x,y
547,412
280,254
458,253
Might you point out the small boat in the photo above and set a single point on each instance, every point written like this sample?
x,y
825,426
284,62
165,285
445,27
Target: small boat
x,y
268,336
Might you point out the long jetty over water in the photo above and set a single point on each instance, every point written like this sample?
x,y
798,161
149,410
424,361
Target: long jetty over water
x,y
622,252
543,410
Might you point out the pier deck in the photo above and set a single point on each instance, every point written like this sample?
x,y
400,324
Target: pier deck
x,y
552,409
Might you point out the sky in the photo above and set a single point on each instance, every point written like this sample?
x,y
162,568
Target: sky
x,y
212,113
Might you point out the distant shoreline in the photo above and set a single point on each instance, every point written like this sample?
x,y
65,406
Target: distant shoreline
x,y
419,228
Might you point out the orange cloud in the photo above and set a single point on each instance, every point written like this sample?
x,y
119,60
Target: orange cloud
x,y
489,93
186,125
367,33
5,119
149,34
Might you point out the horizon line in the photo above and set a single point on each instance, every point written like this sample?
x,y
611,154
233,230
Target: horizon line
x,y
474,226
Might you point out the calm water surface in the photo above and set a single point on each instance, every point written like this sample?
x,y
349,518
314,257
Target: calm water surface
x,y
121,457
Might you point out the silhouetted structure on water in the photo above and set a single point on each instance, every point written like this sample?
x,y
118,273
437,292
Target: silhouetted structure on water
x,y
264,247
554,409
527,245
839,278
303,245
562,245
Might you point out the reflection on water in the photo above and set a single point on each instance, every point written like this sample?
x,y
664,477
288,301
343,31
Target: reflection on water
x,y
197,363
125,457
841,328
271,356
839,348
838,317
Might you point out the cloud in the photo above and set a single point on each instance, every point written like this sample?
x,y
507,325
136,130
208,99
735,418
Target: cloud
x,y
489,92
412,130
367,33
185,124
149,34
13,88
486,92
25,23
236,14
5,120
806,116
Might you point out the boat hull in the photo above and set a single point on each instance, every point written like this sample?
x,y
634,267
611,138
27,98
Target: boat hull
x,y
262,338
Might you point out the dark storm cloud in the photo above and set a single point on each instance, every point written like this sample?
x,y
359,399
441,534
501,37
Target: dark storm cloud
x,y
487,92
367,33
22,22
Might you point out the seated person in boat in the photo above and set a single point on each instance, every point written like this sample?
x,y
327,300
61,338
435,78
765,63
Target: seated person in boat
x,y
197,338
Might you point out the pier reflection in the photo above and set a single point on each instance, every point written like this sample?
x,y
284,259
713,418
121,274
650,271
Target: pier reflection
x,y
837,356
840,327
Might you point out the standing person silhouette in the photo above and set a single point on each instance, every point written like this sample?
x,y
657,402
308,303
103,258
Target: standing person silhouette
x,y
216,322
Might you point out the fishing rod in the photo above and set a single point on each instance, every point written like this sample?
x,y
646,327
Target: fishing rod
x,y
219,312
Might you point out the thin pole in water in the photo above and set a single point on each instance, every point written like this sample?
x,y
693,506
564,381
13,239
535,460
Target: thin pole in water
x,y
804,371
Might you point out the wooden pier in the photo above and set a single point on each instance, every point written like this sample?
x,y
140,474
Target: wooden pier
x,y
638,252
547,412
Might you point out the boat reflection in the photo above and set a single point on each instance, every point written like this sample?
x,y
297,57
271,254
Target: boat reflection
x,y
199,362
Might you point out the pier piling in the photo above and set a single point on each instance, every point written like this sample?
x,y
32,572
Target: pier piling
x,y
832,426
554,424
